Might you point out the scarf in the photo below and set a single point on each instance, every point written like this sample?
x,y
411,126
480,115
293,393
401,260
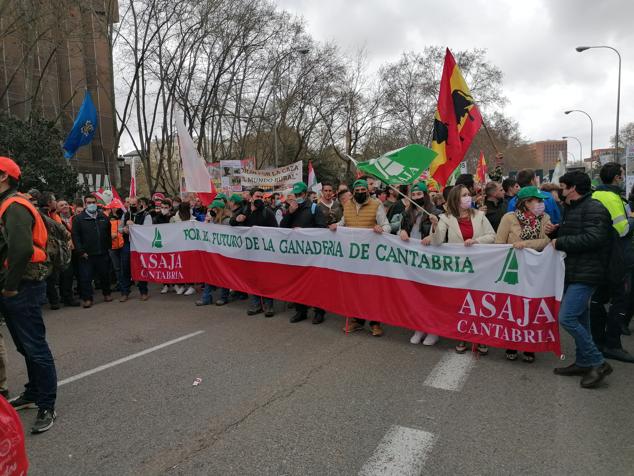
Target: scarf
x,y
530,224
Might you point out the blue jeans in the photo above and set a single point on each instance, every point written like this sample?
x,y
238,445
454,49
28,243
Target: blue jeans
x,y
258,301
574,316
208,296
126,273
23,314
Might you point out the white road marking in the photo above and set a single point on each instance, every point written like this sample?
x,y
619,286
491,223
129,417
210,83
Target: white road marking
x,y
451,372
401,452
123,360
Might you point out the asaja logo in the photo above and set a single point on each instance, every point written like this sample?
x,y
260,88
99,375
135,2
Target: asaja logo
x,y
510,271
157,242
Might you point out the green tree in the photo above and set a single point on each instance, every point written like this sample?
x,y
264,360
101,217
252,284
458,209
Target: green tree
x,y
36,147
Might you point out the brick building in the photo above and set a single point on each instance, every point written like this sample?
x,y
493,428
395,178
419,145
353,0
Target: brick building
x,y
51,51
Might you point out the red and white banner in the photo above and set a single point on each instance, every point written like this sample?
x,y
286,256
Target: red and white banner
x,y
490,294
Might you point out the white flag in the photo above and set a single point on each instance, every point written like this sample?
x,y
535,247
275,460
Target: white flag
x,y
194,168
558,172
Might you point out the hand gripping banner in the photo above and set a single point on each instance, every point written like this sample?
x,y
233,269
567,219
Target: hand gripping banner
x,y
490,294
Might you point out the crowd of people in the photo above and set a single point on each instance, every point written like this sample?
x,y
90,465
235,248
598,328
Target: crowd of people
x,y
59,251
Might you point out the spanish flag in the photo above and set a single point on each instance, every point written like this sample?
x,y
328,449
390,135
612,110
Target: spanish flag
x,y
456,122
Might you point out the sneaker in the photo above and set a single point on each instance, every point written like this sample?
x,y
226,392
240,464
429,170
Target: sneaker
x,y
252,311
165,290
483,349
377,330
353,326
44,420
21,403
107,298
417,337
200,302
87,303
461,348
123,298
179,289
268,311
431,339
190,291
221,302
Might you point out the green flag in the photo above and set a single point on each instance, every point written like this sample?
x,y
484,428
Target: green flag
x,y
400,166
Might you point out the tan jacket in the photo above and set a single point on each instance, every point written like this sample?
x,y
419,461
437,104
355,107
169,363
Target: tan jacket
x,y
449,230
510,230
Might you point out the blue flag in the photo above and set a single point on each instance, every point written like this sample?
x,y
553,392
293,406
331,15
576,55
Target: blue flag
x,y
84,128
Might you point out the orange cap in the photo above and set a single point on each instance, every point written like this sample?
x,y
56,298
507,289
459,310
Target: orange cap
x,y
10,167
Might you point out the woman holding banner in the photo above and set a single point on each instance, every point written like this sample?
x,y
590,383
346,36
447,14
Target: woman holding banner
x,y
525,228
416,224
461,224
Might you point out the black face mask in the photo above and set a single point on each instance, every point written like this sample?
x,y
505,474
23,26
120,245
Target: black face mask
x,y
360,197
420,202
258,203
133,209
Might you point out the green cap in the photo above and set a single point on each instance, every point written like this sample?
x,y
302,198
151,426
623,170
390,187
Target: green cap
x,y
220,196
420,187
235,198
360,183
299,187
531,192
217,204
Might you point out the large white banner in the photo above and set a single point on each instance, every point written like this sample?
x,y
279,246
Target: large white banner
x,y
486,293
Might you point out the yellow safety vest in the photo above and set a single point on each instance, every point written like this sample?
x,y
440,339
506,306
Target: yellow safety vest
x,y
614,204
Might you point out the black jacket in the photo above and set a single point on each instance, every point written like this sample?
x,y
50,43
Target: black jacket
x,y
304,217
262,217
161,219
585,234
92,235
495,212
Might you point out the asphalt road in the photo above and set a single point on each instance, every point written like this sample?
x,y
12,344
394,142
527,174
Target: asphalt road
x,y
297,399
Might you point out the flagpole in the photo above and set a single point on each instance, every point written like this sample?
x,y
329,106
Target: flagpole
x,y
393,188
490,136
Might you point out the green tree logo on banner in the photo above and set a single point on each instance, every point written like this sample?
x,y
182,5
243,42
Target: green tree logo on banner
x,y
157,242
510,271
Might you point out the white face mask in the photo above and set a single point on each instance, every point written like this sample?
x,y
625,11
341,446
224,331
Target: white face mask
x,y
465,202
538,208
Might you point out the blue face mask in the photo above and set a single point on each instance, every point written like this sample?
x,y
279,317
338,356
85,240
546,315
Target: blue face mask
x,y
91,207
299,200
278,202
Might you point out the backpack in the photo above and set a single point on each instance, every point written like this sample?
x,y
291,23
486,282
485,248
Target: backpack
x,y
57,245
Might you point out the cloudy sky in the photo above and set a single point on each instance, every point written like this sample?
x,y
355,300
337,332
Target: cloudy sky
x,y
532,41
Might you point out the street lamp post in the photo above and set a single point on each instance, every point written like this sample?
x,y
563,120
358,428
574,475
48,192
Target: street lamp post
x,y
580,146
618,92
591,127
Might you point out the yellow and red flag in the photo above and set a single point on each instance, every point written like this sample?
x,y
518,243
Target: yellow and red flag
x,y
482,170
456,122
